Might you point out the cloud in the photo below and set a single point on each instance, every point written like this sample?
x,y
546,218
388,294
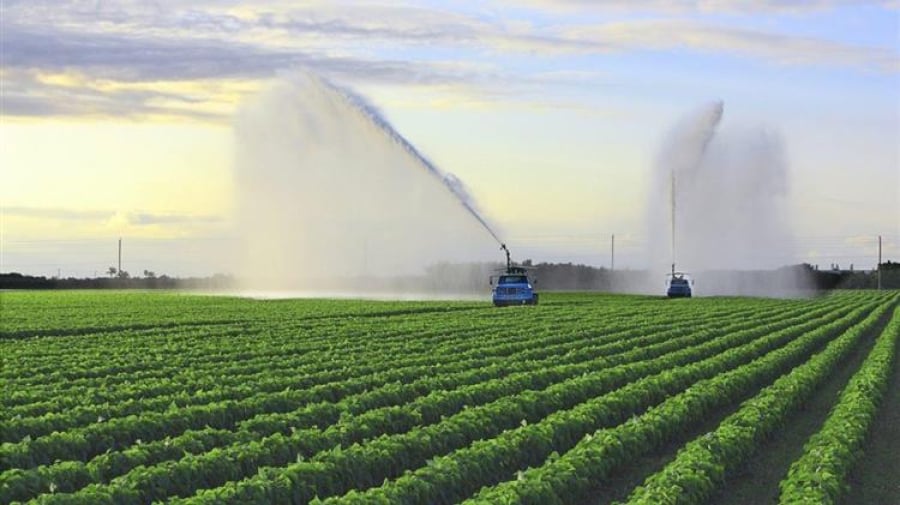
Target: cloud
x,y
707,6
104,57
160,41
139,44
184,47
137,58
55,213
381,23
107,216
774,47
30,93
147,219
146,56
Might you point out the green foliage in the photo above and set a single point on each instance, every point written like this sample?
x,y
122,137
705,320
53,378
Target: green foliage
x,y
702,464
818,475
117,397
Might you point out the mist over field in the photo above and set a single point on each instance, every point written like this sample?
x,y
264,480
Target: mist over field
x,y
723,192
326,190
330,198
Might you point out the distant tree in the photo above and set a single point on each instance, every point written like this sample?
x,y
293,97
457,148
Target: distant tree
x,y
112,271
149,274
123,274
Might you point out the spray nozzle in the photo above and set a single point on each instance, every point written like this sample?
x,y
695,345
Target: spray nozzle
x,y
508,260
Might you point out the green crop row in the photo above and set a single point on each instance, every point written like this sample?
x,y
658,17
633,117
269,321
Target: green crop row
x,y
567,478
73,313
238,386
164,355
608,394
703,463
818,476
354,429
135,399
489,383
90,440
276,385
353,344
199,349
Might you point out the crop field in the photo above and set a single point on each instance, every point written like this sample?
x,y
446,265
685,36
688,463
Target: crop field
x,y
139,398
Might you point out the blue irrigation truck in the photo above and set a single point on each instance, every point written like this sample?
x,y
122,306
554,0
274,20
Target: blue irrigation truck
x,y
679,285
513,285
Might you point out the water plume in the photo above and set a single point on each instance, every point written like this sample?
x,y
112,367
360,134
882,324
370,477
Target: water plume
x,y
718,205
329,196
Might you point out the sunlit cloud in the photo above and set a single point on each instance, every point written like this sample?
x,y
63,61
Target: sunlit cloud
x,y
33,94
126,59
773,47
25,223
707,6
106,216
56,214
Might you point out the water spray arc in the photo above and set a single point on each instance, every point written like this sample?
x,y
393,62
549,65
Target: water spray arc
x,y
718,205
320,175
451,182
690,164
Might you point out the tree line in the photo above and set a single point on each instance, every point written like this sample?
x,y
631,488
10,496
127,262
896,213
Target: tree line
x,y
474,278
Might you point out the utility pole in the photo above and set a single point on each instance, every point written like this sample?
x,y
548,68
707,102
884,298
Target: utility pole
x,y
120,255
612,252
879,263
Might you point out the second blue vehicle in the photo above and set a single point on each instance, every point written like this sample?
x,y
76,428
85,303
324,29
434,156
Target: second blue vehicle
x,y
679,285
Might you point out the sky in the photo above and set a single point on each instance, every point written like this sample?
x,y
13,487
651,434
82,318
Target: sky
x,y
116,117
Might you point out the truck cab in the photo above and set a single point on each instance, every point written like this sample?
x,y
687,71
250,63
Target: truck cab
x,y
513,288
679,285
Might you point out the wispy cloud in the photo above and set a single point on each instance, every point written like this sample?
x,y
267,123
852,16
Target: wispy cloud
x,y
144,43
55,213
708,6
31,93
148,219
148,58
129,218
773,47
108,56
